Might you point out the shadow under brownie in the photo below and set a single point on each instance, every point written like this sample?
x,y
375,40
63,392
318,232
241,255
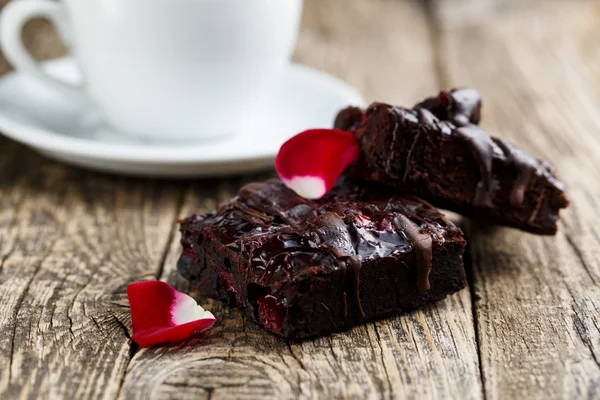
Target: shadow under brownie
x,y
302,268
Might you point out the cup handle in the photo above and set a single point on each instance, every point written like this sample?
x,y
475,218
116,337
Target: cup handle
x,y
12,19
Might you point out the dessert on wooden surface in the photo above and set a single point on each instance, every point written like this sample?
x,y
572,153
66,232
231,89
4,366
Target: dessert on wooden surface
x,y
302,268
314,253
436,150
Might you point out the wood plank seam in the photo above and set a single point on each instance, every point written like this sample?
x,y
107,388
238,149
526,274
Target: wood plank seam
x,y
174,231
584,338
468,260
381,353
581,258
133,347
537,320
444,81
579,326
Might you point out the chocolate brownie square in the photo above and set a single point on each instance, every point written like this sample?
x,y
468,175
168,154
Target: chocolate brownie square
x,y
302,268
436,150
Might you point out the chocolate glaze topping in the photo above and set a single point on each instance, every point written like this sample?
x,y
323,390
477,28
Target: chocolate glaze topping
x,y
284,237
456,112
423,246
480,143
527,167
462,108
459,106
483,148
354,264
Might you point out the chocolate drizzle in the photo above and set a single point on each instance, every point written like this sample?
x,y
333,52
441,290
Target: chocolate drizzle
x,y
527,167
392,139
462,107
459,106
465,106
483,148
423,248
355,264
457,112
330,231
436,150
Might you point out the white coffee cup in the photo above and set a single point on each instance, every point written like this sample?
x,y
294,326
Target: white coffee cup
x,y
165,69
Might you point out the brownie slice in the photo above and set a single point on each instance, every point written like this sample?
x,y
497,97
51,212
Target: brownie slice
x,y
302,268
437,151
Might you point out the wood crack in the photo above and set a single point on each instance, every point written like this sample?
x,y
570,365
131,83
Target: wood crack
x,y
577,322
580,329
122,325
381,353
72,305
581,257
469,269
3,260
300,363
289,346
11,224
330,342
133,347
97,325
70,325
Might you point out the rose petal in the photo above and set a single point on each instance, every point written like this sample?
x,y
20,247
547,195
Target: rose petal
x,y
161,314
311,162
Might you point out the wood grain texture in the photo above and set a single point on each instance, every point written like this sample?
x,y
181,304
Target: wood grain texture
x,y
537,299
429,353
70,242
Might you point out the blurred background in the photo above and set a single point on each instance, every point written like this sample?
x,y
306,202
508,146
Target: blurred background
x,y
541,53
369,42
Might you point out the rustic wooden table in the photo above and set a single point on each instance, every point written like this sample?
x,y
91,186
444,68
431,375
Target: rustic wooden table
x,y
528,327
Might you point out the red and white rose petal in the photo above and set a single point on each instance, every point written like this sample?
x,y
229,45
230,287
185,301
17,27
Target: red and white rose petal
x,y
311,162
161,314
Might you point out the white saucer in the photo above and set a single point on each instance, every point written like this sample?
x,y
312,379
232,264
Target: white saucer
x,y
73,132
